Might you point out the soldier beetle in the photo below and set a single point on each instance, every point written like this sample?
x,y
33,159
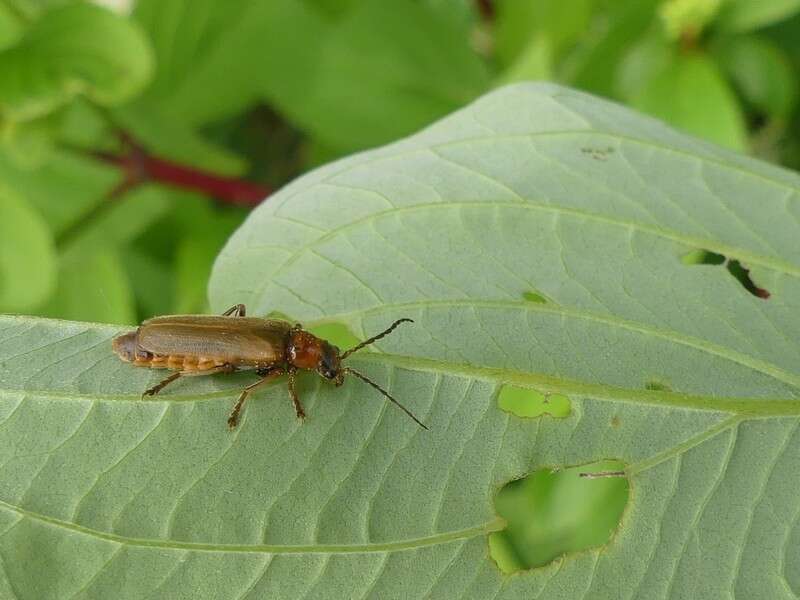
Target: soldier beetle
x,y
194,345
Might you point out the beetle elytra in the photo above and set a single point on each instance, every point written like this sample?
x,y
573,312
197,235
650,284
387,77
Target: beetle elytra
x,y
208,344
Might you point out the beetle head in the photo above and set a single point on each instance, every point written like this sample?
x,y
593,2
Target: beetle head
x,y
307,351
330,365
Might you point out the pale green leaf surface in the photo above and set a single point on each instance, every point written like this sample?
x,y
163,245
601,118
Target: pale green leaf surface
x,y
532,189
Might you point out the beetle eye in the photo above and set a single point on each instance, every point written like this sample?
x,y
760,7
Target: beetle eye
x,y
329,363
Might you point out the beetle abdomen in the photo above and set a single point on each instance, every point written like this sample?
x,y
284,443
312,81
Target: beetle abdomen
x,y
181,363
127,347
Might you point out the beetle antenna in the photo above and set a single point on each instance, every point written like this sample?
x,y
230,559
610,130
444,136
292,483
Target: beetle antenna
x,y
375,338
367,380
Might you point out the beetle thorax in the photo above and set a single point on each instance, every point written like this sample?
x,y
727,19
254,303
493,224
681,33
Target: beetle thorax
x,y
304,350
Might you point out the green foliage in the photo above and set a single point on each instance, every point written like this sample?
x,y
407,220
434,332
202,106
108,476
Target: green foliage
x,y
70,50
695,64
761,72
263,91
691,93
27,259
594,207
744,15
692,16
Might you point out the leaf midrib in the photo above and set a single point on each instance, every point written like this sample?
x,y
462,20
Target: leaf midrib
x,y
750,407
739,405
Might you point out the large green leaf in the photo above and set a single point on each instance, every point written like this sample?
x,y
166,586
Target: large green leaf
x,y
534,191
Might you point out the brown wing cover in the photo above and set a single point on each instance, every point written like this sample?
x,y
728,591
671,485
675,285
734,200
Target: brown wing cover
x,y
234,340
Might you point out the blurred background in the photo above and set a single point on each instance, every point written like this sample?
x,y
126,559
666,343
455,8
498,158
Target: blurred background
x,y
136,135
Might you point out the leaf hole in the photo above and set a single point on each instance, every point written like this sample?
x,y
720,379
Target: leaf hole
x,y
733,266
529,403
702,257
532,296
552,513
742,275
657,386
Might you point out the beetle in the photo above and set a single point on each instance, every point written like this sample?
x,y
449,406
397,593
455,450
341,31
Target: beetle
x,y
206,344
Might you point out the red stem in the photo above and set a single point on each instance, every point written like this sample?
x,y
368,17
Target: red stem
x,y
140,167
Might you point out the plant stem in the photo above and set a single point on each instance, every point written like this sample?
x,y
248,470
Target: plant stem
x,y
140,167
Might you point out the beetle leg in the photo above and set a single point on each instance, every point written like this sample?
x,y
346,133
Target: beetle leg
x,y
233,419
227,368
237,310
298,408
160,386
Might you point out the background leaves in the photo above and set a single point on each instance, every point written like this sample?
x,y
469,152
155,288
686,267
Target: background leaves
x,y
26,253
65,53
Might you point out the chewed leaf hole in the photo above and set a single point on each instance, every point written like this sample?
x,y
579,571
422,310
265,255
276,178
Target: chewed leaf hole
x,y
337,334
534,297
736,269
528,403
552,513
702,257
657,385
733,266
